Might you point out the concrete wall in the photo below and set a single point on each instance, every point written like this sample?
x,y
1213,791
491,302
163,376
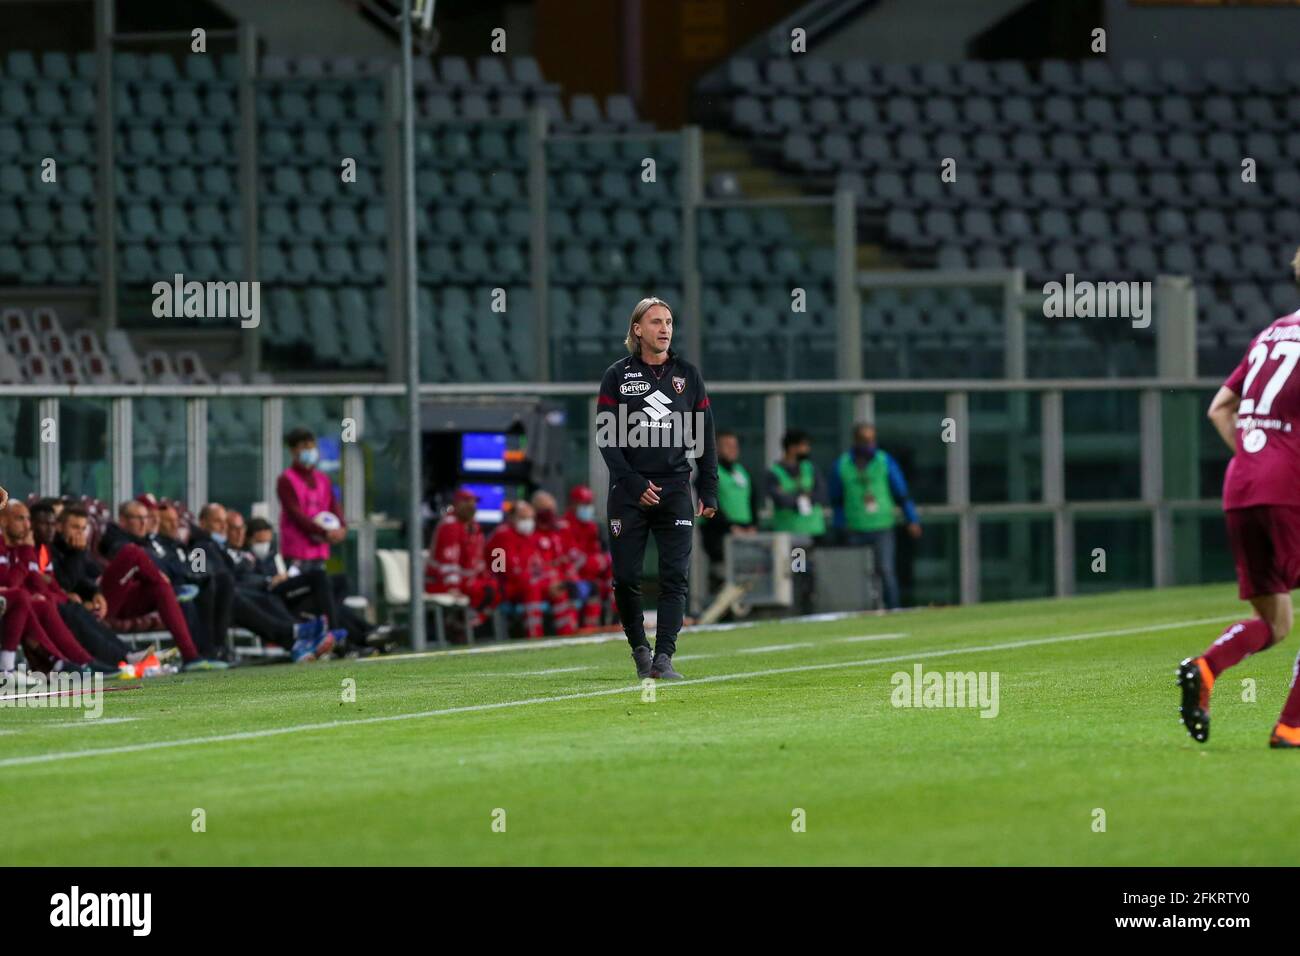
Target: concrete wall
x,y
913,31
336,28
1201,33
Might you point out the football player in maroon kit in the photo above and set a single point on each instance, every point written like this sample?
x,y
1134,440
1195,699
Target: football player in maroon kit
x,y
1257,412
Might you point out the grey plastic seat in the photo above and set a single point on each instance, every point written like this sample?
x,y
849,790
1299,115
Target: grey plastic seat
x,y
976,77
977,224
1059,76
1260,75
1018,112
1027,147
817,74
1012,78
979,115
901,111
1054,224
453,71
781,77
1176,111
1059,111
1209,224
989,148
1094,224
859,111
1136,112
940,112
1101,259
900,78
1099,112
1176,77
824,111
1178,258
1097,76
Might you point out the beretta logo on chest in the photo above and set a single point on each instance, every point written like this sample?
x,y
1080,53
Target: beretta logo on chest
x,y
634,388
679,383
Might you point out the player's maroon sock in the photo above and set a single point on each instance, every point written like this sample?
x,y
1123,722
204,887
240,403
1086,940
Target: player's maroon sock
x,y
1237,643
1291,709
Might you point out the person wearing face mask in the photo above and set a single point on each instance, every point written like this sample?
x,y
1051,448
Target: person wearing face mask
x,y
799,505
305,592
737,506
456,563
265,614
866,486
590,557
516,556
555,538
305,492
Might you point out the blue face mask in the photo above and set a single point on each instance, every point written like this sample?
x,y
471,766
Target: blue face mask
x,y
586,512
308,457
219,538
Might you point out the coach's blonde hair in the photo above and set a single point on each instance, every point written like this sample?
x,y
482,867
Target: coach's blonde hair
x,y
638,313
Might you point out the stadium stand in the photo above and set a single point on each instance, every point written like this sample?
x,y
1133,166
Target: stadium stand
x,y
323,249
1099,169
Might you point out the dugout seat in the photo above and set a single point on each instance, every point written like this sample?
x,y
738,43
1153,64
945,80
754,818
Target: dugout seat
x,y
395,571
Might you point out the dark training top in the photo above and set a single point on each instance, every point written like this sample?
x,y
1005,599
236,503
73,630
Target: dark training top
x,y
648,418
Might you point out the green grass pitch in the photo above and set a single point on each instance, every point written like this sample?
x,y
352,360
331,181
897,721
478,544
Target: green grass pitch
x,y
789,716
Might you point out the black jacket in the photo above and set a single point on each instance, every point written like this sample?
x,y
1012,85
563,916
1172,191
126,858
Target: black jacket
x,y
216,556
651,421
76,570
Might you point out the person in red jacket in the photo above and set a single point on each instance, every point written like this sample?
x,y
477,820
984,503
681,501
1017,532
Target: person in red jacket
x,y
514,552
19,572
557,539
457,563
589,556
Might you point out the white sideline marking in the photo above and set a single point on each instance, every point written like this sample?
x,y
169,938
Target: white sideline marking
x,y
97,721
606,637
814,642
551,670
498,648
586,695
868,637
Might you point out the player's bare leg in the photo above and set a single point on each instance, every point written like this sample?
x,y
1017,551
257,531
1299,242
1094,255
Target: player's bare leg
x,y
1196,675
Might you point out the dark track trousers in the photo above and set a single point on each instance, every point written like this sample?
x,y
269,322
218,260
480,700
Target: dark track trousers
x,y
265,615
672,522
272,614
93,634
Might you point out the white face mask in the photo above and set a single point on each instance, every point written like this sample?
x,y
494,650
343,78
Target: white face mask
x,y
261,550
525,525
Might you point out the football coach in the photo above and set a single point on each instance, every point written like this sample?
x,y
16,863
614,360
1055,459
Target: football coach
x,y
652,418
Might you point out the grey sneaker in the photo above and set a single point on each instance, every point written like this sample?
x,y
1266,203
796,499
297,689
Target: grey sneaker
x,y
663,668
641,656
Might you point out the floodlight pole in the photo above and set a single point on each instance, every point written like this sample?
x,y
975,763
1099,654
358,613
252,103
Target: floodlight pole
x,y
414,481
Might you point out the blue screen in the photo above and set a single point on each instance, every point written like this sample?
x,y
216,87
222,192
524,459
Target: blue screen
x,y
483,452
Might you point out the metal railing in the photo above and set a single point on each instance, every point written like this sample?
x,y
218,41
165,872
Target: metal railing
x,y
1157,473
